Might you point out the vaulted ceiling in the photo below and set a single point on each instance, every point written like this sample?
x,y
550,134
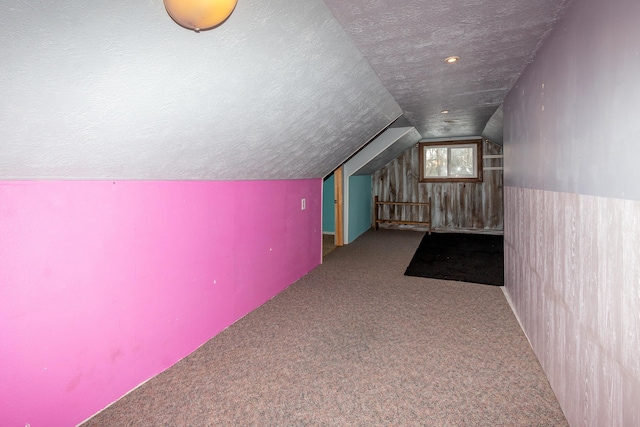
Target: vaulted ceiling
x,y
407,43
117,90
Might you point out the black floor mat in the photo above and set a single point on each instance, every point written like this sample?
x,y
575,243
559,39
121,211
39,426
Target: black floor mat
x,y
475,258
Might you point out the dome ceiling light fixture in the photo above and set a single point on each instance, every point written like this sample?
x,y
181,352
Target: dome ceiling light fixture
x,y
199,15
452,59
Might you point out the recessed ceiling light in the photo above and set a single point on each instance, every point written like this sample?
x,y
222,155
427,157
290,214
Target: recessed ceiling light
x,y
444,112
452,59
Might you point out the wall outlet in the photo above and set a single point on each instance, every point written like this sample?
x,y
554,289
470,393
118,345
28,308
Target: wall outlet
x,y
303,204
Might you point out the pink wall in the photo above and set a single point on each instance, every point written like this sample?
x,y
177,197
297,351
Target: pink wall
x,y
105,284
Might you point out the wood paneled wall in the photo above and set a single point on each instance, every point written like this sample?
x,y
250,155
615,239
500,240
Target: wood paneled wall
x,y
572,278
454,206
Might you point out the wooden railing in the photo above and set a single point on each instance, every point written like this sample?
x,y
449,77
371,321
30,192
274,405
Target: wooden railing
x,y
378,220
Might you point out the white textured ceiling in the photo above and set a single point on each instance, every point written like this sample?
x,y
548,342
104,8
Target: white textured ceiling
x,y
117,90
406,43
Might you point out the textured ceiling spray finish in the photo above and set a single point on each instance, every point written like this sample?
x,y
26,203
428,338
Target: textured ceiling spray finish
x,y
406,43
117,90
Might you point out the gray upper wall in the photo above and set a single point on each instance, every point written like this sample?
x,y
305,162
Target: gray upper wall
x,y
493,130
117,90
571,123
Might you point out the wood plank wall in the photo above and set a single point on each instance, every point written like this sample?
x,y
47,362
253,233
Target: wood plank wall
x,y
455,206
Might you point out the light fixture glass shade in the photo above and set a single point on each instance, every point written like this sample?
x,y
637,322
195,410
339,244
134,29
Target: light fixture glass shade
x,y
199,14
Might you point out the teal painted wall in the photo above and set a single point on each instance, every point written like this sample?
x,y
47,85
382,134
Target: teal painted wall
x,y
328,209
359,205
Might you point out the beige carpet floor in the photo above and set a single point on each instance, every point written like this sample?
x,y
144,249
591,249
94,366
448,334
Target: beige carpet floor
x,y
357,343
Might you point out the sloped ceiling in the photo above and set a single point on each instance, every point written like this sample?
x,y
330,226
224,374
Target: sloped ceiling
x,y
406,141
117,90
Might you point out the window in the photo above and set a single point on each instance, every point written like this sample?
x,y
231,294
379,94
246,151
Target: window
x,y
451,161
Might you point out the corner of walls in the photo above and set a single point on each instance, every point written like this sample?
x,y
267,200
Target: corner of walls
x,y
105,284
369,155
